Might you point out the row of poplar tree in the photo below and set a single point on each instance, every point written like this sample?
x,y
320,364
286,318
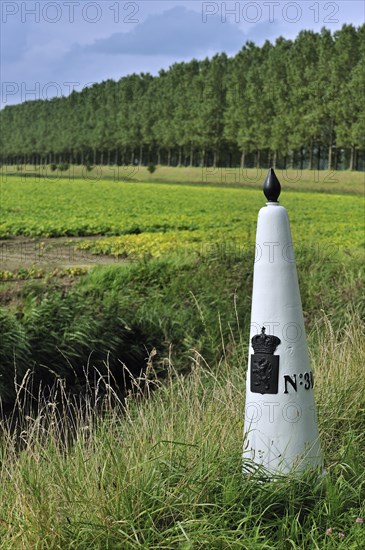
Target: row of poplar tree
x,y
292,103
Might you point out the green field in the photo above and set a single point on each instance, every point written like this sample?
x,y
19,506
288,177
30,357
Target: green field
x,y
136,219
122,386
324,181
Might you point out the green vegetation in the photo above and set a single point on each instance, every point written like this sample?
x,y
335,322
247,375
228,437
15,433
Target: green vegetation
x,y
24,274
202,240
151,219
295,103
162,469
119,314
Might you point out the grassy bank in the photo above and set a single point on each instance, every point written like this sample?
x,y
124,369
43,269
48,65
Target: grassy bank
x,y
176,306
165,472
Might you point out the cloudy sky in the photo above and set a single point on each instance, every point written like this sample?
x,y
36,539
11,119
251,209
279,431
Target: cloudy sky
x,y
50,47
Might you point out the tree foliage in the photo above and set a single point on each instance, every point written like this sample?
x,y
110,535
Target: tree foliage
x,y
292,103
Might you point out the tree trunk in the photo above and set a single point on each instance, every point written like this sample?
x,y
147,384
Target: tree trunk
x,y
336,159
132,157
191,156
180,156
319,158
215,158
274,158
243,155
352,159
140,155
202,162
310,160
158,156
258,154
329,167
169,157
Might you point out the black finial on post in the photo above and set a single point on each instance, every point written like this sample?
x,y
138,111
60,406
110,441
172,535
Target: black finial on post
x,y
272,187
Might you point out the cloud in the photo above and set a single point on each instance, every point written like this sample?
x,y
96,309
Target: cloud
x,y
177,32
13,42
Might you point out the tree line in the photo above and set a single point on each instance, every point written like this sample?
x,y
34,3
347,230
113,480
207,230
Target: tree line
x,y
295,103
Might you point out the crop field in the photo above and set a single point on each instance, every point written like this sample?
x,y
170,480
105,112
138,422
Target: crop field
x,y
139,220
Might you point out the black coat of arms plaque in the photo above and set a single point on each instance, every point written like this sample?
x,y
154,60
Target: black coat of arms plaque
x,y
264,364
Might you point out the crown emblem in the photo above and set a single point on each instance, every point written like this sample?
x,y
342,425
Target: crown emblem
x,y
264,343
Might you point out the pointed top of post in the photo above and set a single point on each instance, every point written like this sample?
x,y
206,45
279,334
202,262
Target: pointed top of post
x,y
272,187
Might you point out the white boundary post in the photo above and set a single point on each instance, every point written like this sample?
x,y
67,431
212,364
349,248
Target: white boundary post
x,y
281,430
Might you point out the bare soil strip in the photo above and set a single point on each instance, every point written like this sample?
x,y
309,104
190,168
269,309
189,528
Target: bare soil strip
x,y
48,254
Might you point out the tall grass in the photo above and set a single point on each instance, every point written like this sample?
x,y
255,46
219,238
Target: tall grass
x,y
162,469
